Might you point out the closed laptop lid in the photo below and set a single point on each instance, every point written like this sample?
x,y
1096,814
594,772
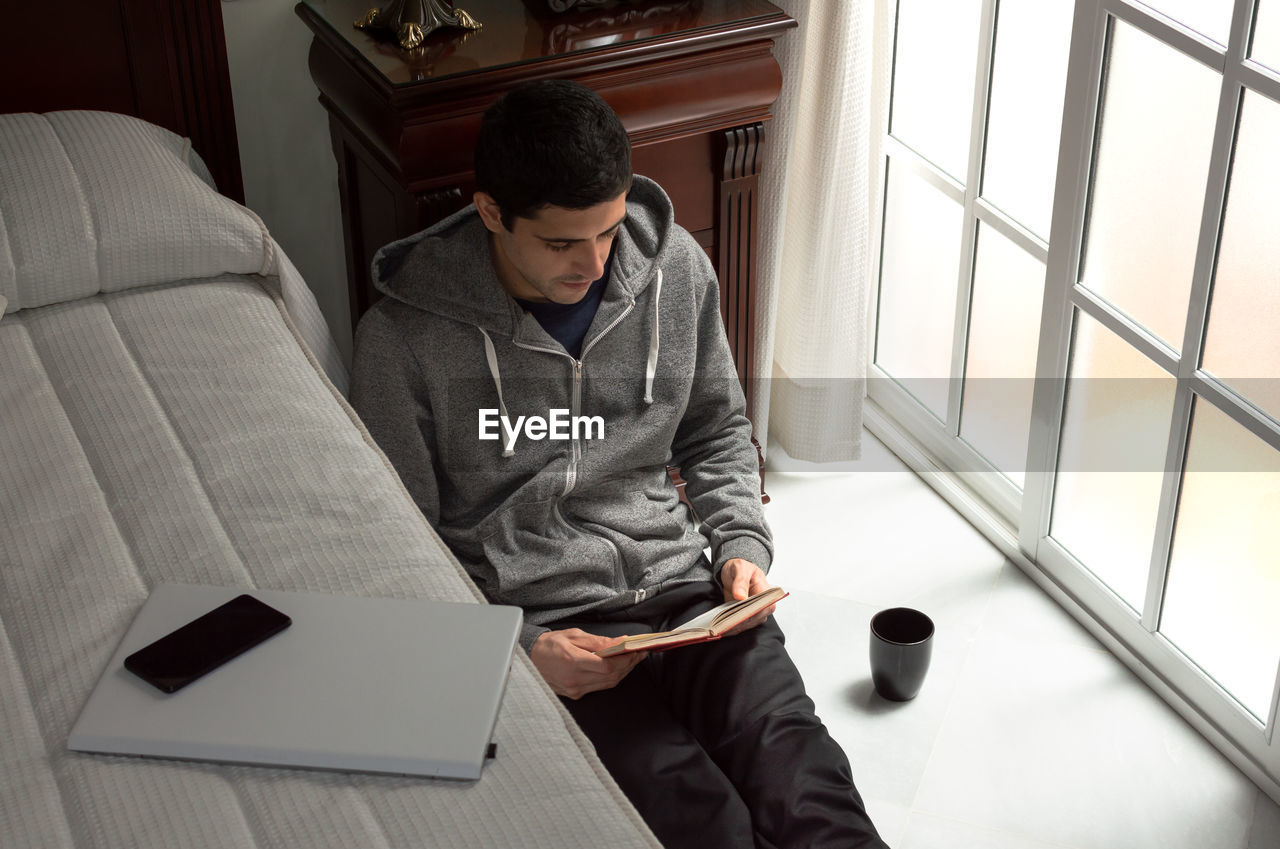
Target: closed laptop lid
x,y
365,684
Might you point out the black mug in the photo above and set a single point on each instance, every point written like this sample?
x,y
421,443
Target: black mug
x,y
901,647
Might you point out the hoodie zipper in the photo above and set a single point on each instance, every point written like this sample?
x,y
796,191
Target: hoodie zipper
x,y
575,449
575,404
575,400
575,409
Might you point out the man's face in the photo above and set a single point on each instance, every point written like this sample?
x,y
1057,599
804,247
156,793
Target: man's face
x,y
555,255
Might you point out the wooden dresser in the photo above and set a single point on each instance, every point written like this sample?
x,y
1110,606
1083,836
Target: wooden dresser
x,y
693,82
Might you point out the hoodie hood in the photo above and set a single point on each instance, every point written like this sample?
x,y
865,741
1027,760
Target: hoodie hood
x,y
408,269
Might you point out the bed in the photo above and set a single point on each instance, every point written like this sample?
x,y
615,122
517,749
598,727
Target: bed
x,y
171,409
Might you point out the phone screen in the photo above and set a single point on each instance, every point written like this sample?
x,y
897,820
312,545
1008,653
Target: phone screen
x,y
202,645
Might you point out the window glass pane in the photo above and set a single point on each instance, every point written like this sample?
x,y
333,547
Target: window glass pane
x,y
1000,367
1111,459
1027,85
919,263
934,67
1224,574
1266,34
1158,117
1207,17
1242,345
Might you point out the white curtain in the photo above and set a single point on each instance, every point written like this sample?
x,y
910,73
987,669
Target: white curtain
x,y
819,228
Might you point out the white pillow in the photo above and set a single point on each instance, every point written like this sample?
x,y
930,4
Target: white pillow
x,y
97,202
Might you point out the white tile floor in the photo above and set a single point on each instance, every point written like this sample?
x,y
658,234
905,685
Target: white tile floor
x,y
1028,734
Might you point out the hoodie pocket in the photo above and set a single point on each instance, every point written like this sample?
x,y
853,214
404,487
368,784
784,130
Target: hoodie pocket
x,y
671,518
541,559
652,536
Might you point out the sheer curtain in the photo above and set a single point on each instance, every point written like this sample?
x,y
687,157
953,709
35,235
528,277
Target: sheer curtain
x,y
819,215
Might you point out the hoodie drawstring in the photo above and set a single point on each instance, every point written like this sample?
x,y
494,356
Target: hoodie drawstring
x,y
652,367
492,356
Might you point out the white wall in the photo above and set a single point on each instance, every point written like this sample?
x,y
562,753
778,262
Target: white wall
x,y
290,176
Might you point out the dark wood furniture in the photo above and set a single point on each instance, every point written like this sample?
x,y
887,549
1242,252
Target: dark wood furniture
x,y
693,82
157,60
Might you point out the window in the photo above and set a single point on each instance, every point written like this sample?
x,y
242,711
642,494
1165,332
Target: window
x,y
1078,313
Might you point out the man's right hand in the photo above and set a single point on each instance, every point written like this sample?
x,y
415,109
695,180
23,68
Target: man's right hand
x,y
567,661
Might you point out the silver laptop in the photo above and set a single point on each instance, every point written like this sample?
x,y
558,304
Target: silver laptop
x,y
363,684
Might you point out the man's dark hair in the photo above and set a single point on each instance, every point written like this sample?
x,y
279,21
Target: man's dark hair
x,y
551,143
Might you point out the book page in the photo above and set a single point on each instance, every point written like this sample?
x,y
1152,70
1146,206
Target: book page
x,y
718,617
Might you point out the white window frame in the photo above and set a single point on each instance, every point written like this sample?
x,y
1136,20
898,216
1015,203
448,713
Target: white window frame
x,y
1018,523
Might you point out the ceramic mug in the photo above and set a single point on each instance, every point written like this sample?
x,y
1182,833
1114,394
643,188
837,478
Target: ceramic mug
x,y
901,647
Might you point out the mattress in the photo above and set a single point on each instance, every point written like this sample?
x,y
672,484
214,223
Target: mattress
x,y
182,431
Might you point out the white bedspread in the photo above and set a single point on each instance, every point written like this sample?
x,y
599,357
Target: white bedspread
x,y
178,432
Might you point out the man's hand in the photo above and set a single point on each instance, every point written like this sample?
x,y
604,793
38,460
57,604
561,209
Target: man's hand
x,y
740,579
567,662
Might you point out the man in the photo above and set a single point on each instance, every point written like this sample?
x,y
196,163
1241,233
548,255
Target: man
x,y
539,359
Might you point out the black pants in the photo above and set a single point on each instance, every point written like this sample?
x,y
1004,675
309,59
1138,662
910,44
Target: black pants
x,y
717,744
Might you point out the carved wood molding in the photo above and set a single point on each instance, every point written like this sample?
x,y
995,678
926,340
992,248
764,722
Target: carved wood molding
x,y
742,151
432,206
738,215
737,223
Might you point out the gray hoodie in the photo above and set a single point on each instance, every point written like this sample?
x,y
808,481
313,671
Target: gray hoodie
x,y
563,526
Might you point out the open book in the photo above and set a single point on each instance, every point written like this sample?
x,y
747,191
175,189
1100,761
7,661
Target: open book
x,y
711,625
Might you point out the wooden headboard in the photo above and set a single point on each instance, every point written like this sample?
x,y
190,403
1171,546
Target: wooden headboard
x,y
161,60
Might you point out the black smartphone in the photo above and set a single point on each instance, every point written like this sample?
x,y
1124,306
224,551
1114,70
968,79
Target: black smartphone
x,y
202,645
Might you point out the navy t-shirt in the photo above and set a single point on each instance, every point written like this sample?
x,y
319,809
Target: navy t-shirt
x,y
568,323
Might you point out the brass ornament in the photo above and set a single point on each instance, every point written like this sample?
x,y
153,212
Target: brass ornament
x,y
421,61
410,35
409,22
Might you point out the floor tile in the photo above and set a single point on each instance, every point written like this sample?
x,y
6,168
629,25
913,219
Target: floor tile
x,y
1265,833
1019,608
1061,743
927,832
839,535
888,743
890,820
